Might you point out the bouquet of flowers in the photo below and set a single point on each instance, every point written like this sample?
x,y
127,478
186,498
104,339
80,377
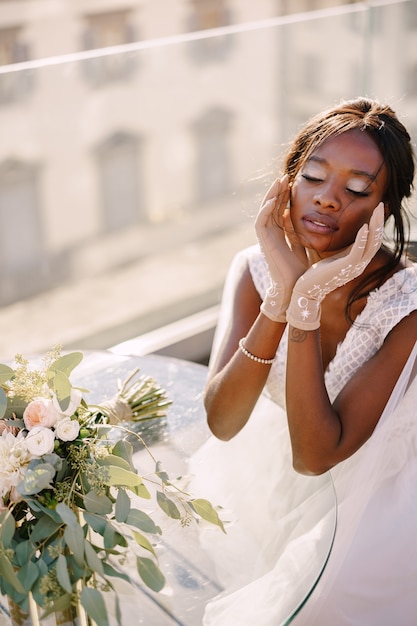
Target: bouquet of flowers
x,y
67,518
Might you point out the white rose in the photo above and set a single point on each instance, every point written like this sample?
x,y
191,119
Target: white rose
x,y
67,429
40,441
74,403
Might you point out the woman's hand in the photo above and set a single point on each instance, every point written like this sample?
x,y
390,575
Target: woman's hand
x,y
285,257
325,276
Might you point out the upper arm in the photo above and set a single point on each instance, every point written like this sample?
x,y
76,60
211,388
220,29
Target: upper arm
x,y
241,313
361,402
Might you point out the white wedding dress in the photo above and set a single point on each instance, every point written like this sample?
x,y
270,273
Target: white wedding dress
x,y
370,578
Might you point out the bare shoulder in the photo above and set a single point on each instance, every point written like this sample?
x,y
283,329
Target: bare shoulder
x,y
246,303
401,339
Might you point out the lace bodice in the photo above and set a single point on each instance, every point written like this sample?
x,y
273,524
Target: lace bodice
x,y
385,307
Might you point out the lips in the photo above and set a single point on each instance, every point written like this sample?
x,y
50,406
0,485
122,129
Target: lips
x,y
315,222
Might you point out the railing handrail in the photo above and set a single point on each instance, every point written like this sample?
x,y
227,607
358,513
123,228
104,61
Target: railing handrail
x,y
160,339
221,31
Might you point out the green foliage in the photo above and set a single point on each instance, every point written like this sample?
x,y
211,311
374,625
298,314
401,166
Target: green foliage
x,y
73,525
205,509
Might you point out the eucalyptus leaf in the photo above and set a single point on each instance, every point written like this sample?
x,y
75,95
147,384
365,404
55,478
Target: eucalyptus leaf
x,y
45,527
124,450
43,571
96,522
36,479
140,519
110,538
15,408
120,476
93,561
63,574
94,605
117,461
66,363
24,551
111,571
28,575
6,373
205,509
51,548
67,515
37,507
96,503
143,542
8,573
142,491
121,540
3,402
62,389
74,538
113,538
78,572
14,422
150,574
161,472
122,506
7,528
167,505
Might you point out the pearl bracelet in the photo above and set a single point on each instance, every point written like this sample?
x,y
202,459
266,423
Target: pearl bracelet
x,y
252,356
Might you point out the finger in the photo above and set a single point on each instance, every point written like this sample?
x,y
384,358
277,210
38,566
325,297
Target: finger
x,y
272,209
275,188
355,254
368,238
376,232
264,213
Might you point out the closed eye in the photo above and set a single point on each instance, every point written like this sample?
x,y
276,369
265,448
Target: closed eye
x,y
312,179
359,194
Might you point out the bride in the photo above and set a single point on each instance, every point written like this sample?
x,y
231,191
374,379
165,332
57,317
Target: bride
x,y
313,371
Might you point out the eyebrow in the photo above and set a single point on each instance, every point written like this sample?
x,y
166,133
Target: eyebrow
x,y
371,177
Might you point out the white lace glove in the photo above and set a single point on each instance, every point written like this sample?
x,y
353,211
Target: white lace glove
x,y
325,276
285,258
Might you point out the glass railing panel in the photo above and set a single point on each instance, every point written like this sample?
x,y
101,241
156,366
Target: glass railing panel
x,y
129,176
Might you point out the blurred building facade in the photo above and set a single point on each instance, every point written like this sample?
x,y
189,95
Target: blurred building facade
x,y
156,128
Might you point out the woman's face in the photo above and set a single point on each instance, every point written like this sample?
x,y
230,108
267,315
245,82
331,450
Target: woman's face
x,y
336,190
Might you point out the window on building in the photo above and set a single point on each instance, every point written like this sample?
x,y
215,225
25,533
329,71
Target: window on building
x,y
14,86
410,15
208,14
410,74
213,159
367,22
104,30
119,168
21,247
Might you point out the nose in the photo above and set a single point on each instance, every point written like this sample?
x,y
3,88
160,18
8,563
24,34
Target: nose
x,y
327,197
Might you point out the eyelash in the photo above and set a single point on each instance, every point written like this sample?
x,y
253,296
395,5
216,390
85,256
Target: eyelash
x,y
358,194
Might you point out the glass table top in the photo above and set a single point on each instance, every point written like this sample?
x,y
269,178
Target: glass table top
x,y
188,568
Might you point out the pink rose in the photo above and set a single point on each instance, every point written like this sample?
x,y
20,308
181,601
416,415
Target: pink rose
x,y
40,412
